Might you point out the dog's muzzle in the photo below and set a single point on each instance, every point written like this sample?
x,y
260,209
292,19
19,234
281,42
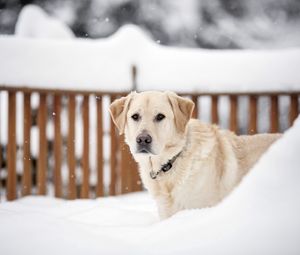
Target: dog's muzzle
x,y
144,142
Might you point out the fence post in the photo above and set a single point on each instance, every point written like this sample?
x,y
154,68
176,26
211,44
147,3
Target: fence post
x,y
100,160
294,105
252,126
274,125
113,155
233,113
85,157
57,145
72,194
134,77
27,174
214,109
196,108
42,160
11,148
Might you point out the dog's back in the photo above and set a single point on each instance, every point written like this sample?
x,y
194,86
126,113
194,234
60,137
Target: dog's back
x,y
249,148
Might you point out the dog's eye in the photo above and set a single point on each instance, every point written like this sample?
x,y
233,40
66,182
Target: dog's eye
x,y
159,117
135,117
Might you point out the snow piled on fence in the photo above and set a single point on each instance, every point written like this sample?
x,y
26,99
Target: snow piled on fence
x,y
261,216
105,64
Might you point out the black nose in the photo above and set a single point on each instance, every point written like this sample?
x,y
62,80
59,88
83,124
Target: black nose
x,y
144,139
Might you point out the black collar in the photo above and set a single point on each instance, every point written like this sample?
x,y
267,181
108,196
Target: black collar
x,y
165,167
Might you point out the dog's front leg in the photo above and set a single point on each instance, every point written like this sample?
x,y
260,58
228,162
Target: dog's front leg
x,y
165,207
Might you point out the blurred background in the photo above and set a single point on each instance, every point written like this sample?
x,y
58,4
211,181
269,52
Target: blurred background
x,y
212,24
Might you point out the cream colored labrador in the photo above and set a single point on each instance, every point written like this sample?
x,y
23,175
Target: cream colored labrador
x,y
183,162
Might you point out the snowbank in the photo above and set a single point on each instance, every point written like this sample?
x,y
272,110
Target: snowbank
x,y
105,64
260,217
34,22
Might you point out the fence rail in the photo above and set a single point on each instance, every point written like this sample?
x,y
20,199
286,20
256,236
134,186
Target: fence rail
x,y
116,175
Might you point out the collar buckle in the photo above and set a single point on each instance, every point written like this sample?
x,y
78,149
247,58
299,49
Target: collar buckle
x,y
164,168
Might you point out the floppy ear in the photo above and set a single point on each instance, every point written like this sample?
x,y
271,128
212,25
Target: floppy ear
x,y
118,111
182,109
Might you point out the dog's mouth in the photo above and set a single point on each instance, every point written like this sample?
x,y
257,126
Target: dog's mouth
x,y
144,150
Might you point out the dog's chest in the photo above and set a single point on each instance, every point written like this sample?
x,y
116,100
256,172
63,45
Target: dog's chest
x,y
196,189
194,192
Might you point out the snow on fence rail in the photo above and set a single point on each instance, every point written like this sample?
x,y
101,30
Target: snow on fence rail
x,y
31,178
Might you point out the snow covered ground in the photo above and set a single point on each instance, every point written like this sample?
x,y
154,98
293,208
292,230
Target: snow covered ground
x,y
261,216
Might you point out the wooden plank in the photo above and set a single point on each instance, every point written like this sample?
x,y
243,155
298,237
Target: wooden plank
x,y
136,179
214,110
274,113
57,146
233,113
27,174
85,157
113,156
294,106
72,194
100,159
42,159
11,148
126,173
252,125
196,108
134,77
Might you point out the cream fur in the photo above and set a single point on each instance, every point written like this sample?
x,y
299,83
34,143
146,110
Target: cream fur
x,y
212,161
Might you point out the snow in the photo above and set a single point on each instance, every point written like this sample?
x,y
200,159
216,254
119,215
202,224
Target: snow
x,y
34,22
105,64
261,216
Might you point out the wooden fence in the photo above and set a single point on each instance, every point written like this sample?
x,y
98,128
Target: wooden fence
x,y
123,175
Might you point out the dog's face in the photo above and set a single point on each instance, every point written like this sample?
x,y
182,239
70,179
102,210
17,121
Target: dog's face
x,y
151,121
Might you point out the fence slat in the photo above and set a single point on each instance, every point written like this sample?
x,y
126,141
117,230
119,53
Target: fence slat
x,y
57,146
233,113
42,159
100,160
294,106
126,173
27,174
214,110
274,121
252,125
11,148
85,157
113,156
72,194
196,108
135,180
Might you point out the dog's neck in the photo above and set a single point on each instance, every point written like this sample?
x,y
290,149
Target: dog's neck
x,y
164,167
158,163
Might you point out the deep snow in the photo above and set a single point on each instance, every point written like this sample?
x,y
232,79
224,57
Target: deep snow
x,y
261,216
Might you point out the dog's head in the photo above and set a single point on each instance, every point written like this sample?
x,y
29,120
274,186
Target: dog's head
x,y
151,121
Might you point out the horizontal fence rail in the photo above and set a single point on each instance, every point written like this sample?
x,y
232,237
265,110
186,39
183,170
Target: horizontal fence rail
x,y
79,153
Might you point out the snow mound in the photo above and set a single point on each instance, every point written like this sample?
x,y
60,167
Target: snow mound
x,y
105,64
34,22
261,216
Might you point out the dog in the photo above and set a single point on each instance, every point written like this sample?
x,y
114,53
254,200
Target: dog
x,y
183,162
